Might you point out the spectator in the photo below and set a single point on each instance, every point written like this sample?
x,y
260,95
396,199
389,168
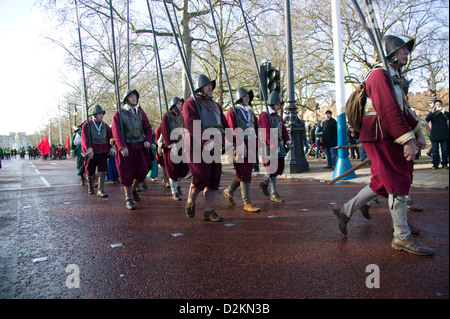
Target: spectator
x,y
438,116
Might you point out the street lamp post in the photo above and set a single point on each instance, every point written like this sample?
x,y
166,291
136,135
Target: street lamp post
x,y
295,161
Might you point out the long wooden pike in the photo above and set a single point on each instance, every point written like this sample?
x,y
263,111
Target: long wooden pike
x,y
348,146
363,163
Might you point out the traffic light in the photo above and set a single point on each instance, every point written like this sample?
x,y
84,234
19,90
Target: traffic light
x,y
273,75
269,80
262,94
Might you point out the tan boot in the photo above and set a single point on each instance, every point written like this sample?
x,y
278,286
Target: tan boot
x,y
101,184
229,198
251,208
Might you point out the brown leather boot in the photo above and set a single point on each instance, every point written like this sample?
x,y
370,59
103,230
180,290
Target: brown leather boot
x,y
411,245
229,198
342,218
251,208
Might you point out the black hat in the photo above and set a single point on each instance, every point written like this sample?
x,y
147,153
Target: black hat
x,y
203,80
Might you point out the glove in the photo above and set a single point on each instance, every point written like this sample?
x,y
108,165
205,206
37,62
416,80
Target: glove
x,y
147,145
124,152
289,144
89,153
209,145
112,151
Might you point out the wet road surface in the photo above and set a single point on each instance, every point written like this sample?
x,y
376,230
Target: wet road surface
x,y
291,250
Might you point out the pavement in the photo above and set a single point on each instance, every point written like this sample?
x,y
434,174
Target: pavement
x,y
53,236
424,175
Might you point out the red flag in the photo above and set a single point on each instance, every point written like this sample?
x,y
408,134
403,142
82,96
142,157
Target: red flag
x,y
67,146
44,146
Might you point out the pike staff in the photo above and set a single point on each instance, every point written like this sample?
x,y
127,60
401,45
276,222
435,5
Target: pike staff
x,y
155,45
372,30
222,57
116,77
183,58
254,56
82,68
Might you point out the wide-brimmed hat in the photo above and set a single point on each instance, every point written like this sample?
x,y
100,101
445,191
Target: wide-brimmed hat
x,y
128,93
202,80
174,102
97,110
274,98
392,43
241,92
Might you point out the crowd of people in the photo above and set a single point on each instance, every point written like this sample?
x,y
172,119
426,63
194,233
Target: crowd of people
x,y
193,135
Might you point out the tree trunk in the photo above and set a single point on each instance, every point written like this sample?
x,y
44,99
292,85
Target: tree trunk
x,y
187,43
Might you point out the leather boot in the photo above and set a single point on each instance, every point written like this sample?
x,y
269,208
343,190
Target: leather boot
x,y
275,197
83,181
129,204
229,197
245,192
365,211
101,184
342,218
411,245
212,216
91,184
264,185
136,197
251,208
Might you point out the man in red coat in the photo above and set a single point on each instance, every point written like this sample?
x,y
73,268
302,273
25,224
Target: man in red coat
x,y
171,126
95,145
202,116
132,133
392,136
276,149
245,127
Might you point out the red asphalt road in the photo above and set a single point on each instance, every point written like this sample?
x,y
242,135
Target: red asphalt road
x,y
291,250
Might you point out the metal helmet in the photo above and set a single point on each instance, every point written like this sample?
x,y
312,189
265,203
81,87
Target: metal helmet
x,y
174,101
274,98
128,93
391,44
241,92
97,110
203,80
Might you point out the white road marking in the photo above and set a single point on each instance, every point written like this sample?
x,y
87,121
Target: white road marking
x,y
47,184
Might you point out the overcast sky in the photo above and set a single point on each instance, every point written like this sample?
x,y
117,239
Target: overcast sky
x,y
29,82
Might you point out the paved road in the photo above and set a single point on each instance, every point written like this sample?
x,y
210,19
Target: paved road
x,y
292,250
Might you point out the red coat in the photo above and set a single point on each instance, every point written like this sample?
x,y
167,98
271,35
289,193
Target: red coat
x,y
137,164
264,123
190,114
243,170
203,174
173,170
97,148
391,172
118,136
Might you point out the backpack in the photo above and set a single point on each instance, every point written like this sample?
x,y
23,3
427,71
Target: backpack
x,y
354,107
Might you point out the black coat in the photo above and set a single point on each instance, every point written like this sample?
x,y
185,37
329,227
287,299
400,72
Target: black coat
x,y
329,135
439,126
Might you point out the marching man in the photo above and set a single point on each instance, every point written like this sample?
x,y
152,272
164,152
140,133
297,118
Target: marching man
x,y
95,147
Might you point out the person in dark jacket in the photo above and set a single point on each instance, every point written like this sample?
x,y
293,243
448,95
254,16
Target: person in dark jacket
x,y
438,117
329,139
